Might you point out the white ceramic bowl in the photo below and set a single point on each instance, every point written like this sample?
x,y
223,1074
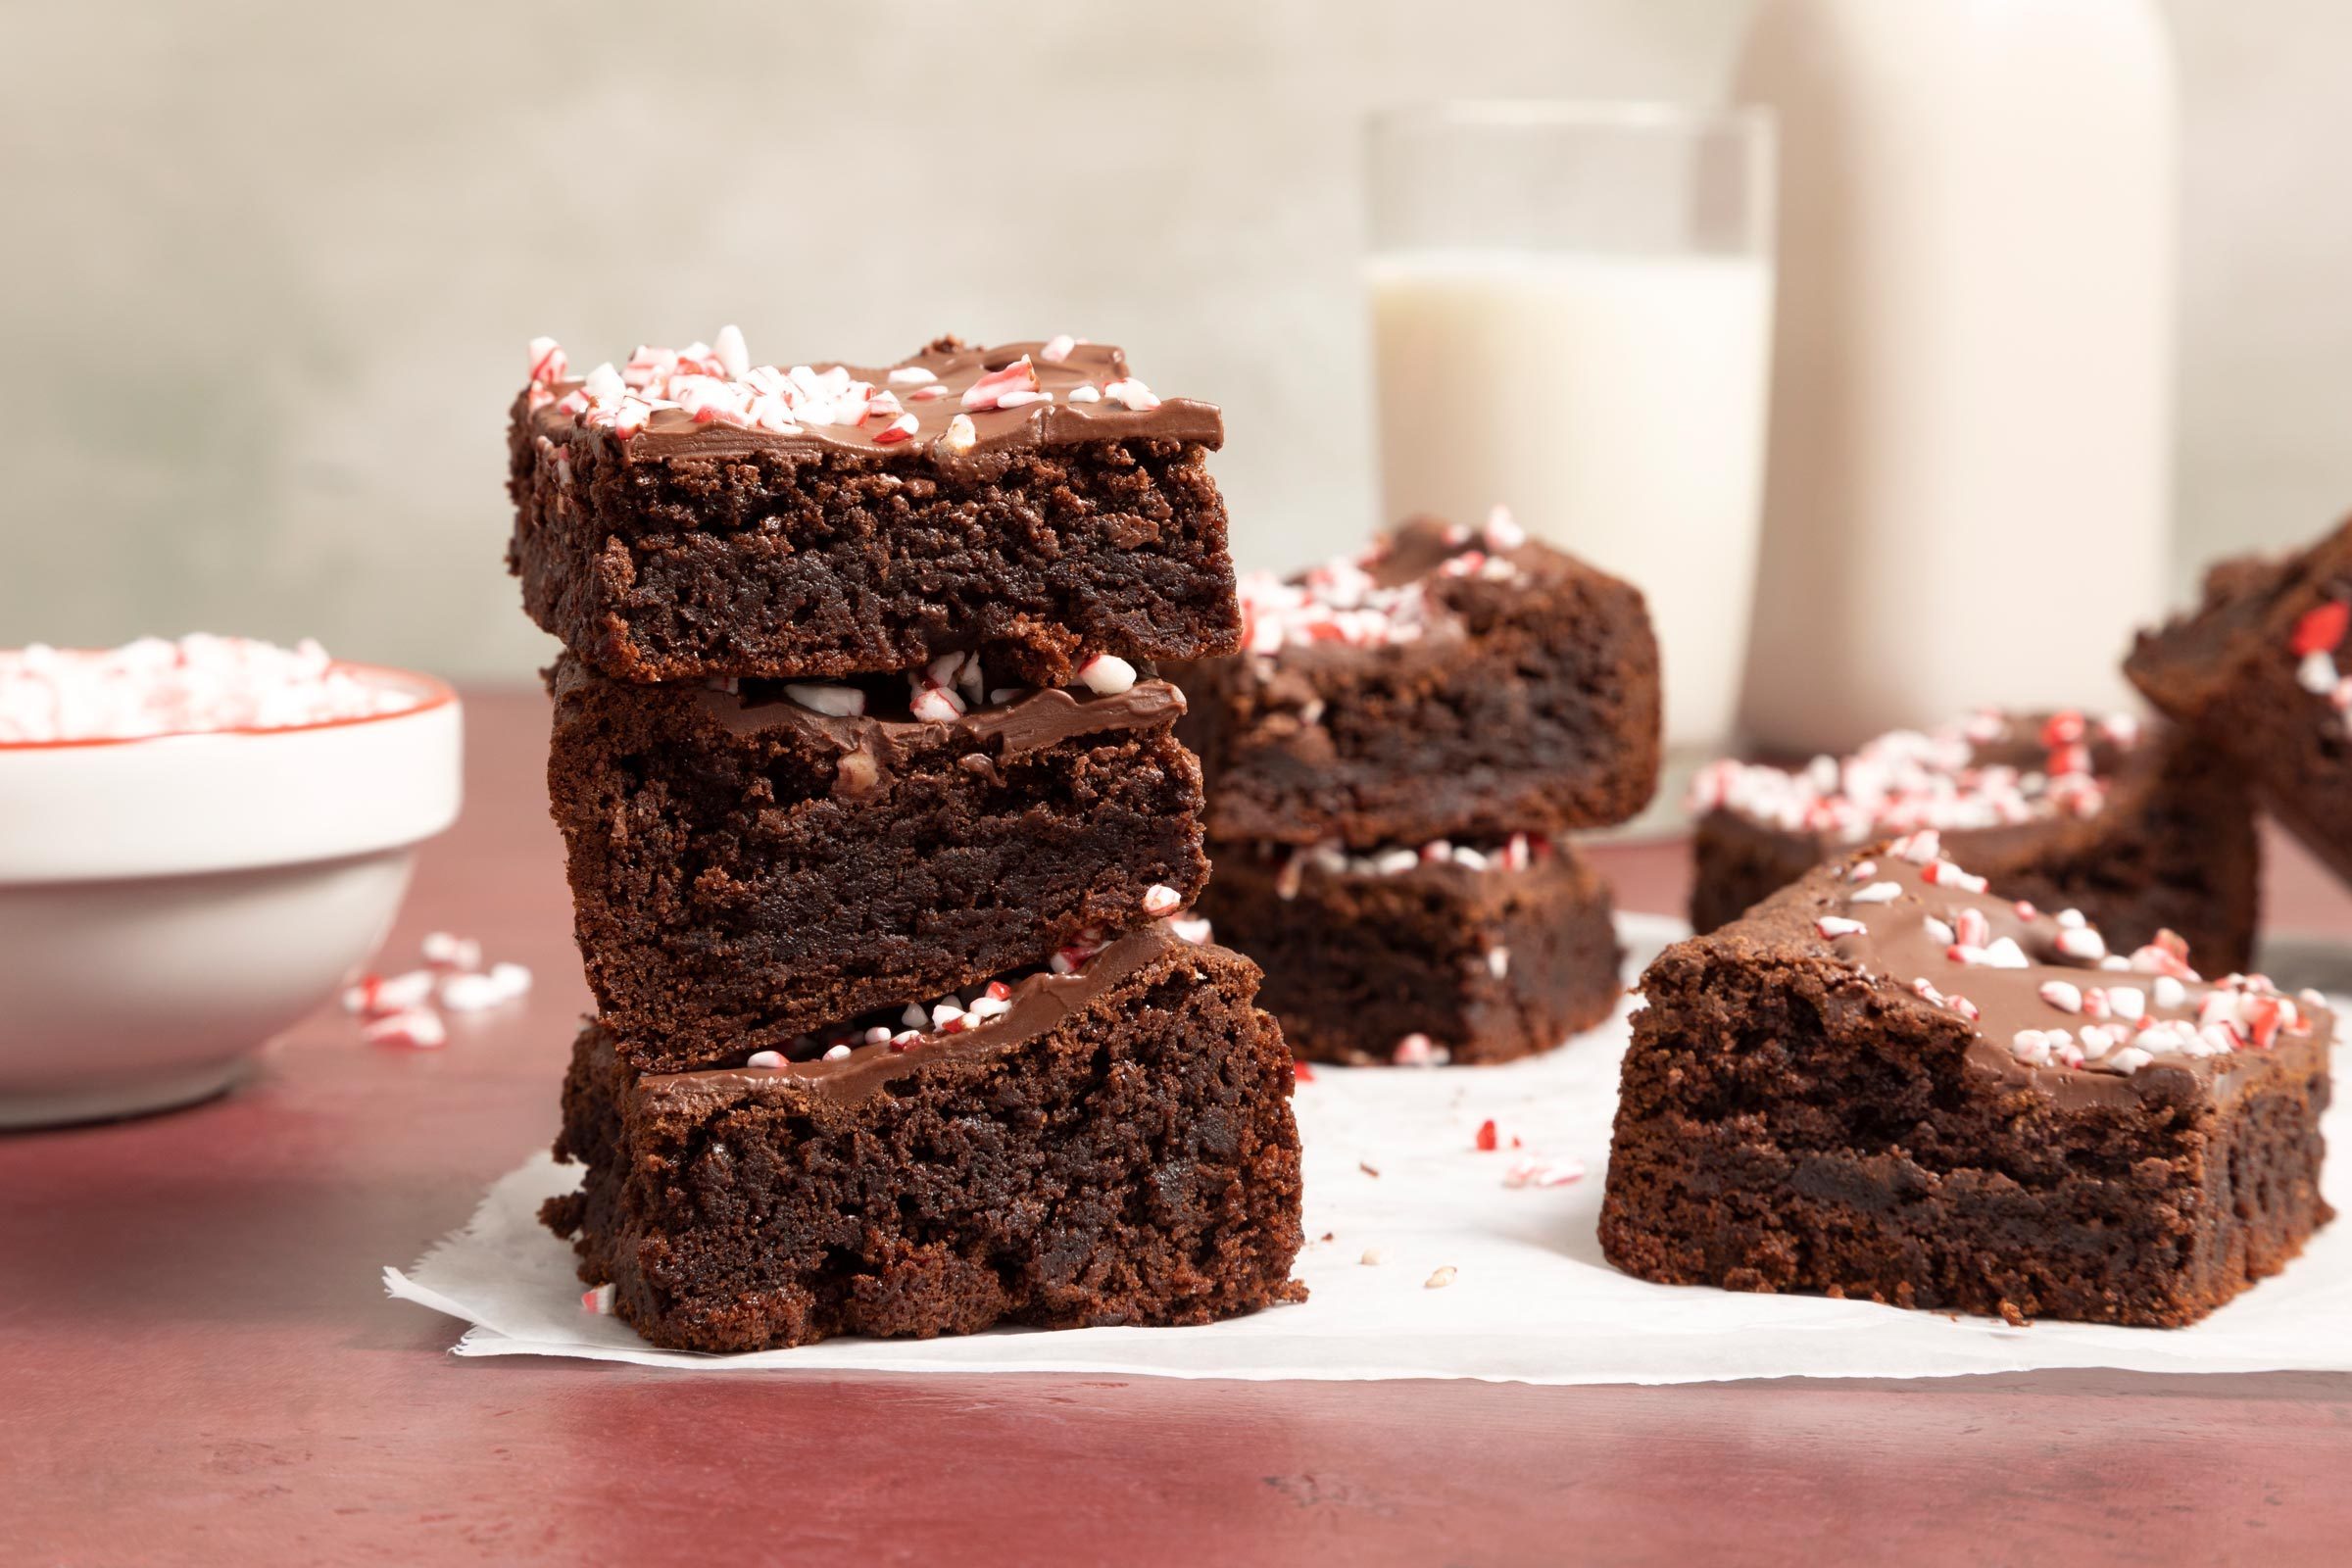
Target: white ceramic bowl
x,y
168,905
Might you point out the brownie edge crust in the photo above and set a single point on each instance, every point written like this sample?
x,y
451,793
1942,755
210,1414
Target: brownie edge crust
x,y
1134,1162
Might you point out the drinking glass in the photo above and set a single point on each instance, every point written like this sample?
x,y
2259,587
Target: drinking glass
x,y
1572,318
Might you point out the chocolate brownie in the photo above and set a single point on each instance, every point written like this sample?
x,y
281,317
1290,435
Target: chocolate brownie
x,y
1418,956
749,865
694,514
1112,1146
2257,666
1887,1082
1443,684
2141,829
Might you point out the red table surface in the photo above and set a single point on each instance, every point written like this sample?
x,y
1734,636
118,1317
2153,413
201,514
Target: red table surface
x,y
197,1364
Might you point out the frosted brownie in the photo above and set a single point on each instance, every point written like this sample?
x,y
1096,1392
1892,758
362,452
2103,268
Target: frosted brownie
x,y
1445,683
1418,957
2260,665
691,513
1889,1082
750,864
1109,1146
2141,829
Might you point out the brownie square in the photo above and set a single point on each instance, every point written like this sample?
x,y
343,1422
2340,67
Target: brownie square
x,y
694,514
1443,684
1887,1082
2257,666
2143,829
1114,1147
1448,952
745,867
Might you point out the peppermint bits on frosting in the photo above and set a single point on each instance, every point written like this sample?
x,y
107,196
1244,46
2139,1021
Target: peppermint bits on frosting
x,y
2049,995
716,386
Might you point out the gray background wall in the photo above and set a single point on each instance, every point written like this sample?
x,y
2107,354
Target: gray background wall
x,y
269,266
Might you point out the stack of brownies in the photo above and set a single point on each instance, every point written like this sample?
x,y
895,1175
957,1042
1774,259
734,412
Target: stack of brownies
x,y
882,848
1394,760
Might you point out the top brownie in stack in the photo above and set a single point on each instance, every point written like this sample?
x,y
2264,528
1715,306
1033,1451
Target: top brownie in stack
x,y
1445,683
2260,665
693,514
2143,830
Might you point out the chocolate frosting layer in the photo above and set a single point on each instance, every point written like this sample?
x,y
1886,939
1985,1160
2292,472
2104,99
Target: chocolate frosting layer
x,y
1897,945
1030,722
1039,1004
670,434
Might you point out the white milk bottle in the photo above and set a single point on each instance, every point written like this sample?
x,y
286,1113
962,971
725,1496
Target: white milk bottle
x,y
1968,490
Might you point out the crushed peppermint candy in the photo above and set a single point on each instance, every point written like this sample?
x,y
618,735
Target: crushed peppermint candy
x,y
192,685
598,1300
1108,674
1419,1051
1519,852
1536,1172
2105,1012
417,1028
405,1009
1343,601
717,384
1988,770
2315,638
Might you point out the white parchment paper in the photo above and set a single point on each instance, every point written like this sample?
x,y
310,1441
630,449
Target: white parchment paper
x,y
1528,1299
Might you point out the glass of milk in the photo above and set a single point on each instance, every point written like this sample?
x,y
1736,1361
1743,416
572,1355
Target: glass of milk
x,y
1572,318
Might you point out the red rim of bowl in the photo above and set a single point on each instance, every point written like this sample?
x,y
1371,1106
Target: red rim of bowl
x,y
432,691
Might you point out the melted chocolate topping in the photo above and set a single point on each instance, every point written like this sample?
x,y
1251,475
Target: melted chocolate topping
x,y
1039,1003
1030,722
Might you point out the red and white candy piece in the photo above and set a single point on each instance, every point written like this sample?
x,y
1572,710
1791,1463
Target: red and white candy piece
x,y
963,435
1540,1173
901,428
548,363
598,1300
991,389
765,1059
501,983
837,701
1132,394
729,349
1108,674
2320,630
1502,530
1419,1051
414,1028
1159,899
1057,347
443,951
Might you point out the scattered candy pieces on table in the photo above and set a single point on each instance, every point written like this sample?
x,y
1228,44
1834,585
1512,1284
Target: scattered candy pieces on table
x,y
399,1009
